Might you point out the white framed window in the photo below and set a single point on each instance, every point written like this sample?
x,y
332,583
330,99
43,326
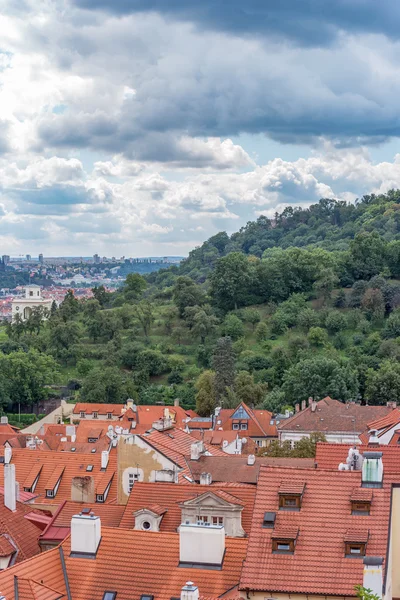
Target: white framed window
x,y
132,477
49,493
202,519
235,426
109,415
99,498
95,415
217,520
243,425
82,414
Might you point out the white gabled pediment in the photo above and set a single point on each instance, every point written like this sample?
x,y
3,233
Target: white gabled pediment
x,y
206,499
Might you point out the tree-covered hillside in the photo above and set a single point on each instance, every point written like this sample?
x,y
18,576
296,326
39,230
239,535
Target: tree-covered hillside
x,y
306,305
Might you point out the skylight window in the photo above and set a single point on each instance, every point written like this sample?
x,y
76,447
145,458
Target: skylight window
x,y
146,597
109,595
89,468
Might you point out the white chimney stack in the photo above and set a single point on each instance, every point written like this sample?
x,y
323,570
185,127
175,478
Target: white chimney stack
x,y
4,420
201,544
85,534
373,438
104,459
188,592
194,451
7,455
373,574
372,470
251,459
205,479
10,496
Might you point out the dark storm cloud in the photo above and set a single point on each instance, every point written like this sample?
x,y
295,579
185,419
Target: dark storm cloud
x,y
308,22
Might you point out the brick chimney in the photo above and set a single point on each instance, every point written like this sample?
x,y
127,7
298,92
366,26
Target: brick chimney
x,y
310,400
297,408
176,402
188,592
201,544
85,535
303,405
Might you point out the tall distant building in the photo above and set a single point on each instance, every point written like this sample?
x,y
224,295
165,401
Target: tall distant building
x,y
5,259
96,259
28,257
41,259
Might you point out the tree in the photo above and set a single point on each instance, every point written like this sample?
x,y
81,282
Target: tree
x,y
374,303
326,283
335,321
252,316
106,385
340,300
205,394
63,337
153,362
367,255
230,280
134,287
304,448
383,385
144,314
261,332
224,367
318,377
169,317
24,375
204,325
392,326
101,295
187,293
91,308
317,336
69,307
365,593
247,390
233,327
307,318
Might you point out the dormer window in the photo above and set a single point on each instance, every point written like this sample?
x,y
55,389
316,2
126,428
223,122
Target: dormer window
x,y
355,542
291,495
361,499
95,415
82,414
109,415
284,540
235,426
243,426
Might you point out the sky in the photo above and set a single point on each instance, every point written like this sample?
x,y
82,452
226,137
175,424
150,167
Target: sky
x,y
143,127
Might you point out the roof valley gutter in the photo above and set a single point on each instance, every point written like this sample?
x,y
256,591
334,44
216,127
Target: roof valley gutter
x,y
16,592
64,569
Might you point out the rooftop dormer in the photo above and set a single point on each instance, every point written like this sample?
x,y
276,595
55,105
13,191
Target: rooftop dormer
x,y
291,495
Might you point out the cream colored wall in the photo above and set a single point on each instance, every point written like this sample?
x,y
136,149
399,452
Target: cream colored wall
x,y
395,542
134,453
264,595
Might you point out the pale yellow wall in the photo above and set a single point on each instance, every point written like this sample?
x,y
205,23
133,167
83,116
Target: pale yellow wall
x,y
395,542
140,456
264,595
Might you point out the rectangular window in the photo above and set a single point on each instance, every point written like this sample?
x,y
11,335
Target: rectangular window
x,y
218,520
95,415
283,547
99,498
82,415
235,426
202,519
243,425
109,415
49,493
355,550
132,478
109,595
290,502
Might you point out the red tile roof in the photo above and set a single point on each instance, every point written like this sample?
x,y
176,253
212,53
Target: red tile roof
x,y
144,563
232,468
332,416
171,495
329,456
50,464
318,564
6,547
387,421
22,532
102,409
258,425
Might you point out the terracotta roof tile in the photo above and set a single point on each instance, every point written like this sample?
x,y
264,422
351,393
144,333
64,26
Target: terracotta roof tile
x,y
292,487
145,495
356,535
332,415
231,468
329,456
55,477
285,532
318,564
6,547
50,465
114,409
360,494
29,589
258,425
23,533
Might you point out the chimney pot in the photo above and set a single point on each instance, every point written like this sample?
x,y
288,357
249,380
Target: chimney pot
x,y
194,451
310,401
205,479
303,405
251,459
297,408
4,420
